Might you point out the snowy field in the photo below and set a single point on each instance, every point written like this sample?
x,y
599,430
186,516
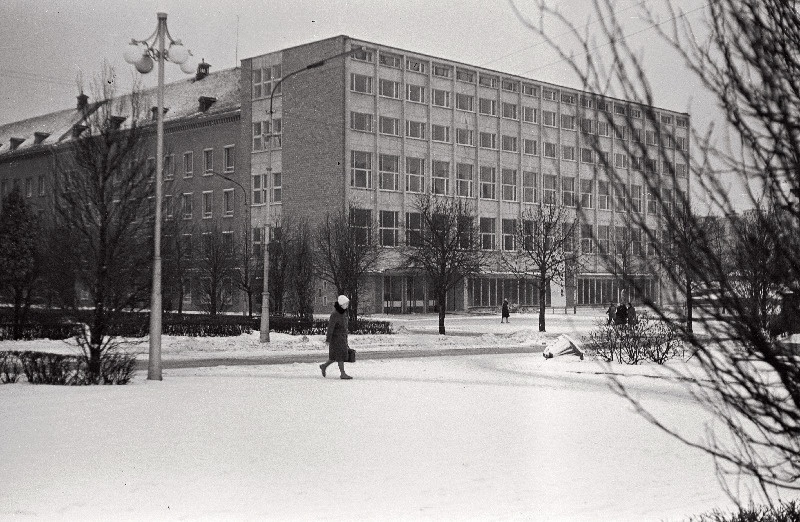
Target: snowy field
x,y
470,437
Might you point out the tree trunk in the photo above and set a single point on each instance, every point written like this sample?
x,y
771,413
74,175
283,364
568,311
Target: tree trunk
x,y
542,302
441,301
689,304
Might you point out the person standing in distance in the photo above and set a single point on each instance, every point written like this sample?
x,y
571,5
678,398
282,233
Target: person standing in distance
x,y
504,311
337,337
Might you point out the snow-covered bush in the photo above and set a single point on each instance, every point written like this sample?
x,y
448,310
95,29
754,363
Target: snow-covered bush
x,y
649,339
10,367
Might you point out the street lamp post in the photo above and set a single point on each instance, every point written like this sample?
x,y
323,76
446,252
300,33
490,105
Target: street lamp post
x,y
141,53
264,330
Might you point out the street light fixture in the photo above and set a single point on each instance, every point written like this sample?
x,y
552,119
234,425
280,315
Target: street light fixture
x,y
264,329
141,53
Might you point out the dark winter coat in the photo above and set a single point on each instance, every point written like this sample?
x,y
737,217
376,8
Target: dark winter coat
x,y
504,311
631,315
622,315
612,310
337,335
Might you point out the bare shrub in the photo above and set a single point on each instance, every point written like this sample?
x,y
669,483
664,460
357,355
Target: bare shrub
x,y
648,340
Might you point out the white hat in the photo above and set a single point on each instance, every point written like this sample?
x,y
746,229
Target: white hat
x,y
343,301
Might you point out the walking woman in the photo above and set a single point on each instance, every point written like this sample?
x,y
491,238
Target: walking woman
x,y
337,337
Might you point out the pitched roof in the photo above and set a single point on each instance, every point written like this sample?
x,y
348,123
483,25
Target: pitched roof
x,y
181,100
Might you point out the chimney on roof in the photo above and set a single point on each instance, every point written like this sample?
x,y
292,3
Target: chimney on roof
x,y
154,112
116,121
39,137
206,102
78,129
83,101
16,142
202,69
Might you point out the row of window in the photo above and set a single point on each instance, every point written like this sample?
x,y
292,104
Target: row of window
x,y
365,122
605,239
493,81
186,204
389,170
188,167
28,187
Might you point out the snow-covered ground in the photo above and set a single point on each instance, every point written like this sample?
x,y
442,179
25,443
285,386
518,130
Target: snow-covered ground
x,y
471,437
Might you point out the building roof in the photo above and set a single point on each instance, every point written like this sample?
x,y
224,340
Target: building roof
x,y
181,101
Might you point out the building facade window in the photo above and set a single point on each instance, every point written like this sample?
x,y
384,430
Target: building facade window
x,y
464,75
227,202
390,60
568,191
360,83
587,155
389,126
509,184
415,129
169,167
603,195
567,122
208,162
389,172
465,102
361,121
229,158
488,182
550,189
415,93
530,114
530,147
186,205
549,149
487,233
389,88
509,143
360,169
548,118
264,78
465,137
509,229
530,90
487,106
277,187
568,152
587,192
188,164
361,221
440,133
530,183
487,80
488,140
440,177
569,98
414,229
208,204
442,70
389,228
415,174
510,85
464,179
415,65
510,111
440,98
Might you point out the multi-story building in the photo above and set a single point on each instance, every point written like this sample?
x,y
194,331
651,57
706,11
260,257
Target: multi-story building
x,y
375,128
203,183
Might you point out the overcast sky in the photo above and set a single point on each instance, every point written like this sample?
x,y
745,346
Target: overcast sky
x,y
47,45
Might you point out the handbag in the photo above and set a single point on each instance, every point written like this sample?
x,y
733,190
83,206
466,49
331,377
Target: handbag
x,y
351,355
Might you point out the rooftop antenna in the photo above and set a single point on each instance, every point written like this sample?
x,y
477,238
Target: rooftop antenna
x,y
237,42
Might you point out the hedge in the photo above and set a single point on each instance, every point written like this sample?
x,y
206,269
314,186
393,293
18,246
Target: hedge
x,y
51,368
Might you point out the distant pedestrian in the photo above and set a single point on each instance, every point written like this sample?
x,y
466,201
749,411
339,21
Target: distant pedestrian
x,y
631,314
611,312
337,337
621,315
504,311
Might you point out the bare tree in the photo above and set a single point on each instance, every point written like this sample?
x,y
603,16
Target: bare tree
x,y
745,53
346,251
301,269
103,202
544,247
280,259
21,257
446,248
177,261
216,268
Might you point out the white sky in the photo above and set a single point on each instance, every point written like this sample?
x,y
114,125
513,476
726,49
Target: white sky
x,y
46,46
